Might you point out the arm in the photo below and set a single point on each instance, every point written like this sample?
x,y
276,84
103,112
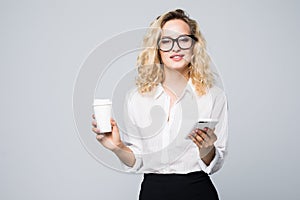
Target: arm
x,y
212,143
113,142
127,149
209,156
130,151
205,139
125,154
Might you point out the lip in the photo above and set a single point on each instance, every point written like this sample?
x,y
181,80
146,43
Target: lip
x,y
177,57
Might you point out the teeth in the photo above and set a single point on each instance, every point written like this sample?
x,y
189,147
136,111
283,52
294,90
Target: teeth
x,y
176,56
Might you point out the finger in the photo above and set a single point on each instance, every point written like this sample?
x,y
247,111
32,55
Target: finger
x,y
193,133
211,135
93,116
195,141
199,139
94,123
99,137
95,130
113,123
203,139
209,131
203,135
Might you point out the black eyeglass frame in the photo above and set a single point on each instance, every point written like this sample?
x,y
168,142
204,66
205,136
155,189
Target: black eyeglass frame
x,y
176,40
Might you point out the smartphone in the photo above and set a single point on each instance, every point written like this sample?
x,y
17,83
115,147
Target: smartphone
x,y
207,123
210,123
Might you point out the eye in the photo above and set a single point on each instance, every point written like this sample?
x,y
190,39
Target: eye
x,y
184,39
165,41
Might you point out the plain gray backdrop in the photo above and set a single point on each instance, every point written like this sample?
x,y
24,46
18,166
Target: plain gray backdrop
x,y
255,45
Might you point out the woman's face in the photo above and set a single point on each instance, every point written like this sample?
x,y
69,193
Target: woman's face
x,y
177,58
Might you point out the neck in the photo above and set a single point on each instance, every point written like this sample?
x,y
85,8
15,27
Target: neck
x,y
175,80
172,75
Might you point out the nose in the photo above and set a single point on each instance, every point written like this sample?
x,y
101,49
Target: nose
x,y
175,47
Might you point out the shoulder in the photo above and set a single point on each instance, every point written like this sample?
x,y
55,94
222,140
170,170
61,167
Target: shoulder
x,y
216,90
217,93
133,96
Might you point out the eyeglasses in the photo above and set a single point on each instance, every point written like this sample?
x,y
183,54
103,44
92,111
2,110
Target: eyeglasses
x,y
184,42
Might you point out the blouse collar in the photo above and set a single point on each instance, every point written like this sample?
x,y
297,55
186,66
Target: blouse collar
x,y
189,88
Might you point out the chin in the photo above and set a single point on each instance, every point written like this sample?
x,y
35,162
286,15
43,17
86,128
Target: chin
x,y
177,65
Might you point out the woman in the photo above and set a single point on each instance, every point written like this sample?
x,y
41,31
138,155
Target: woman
x,y
175,76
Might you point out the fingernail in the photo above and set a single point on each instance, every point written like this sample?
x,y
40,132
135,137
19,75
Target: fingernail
x,y
100,137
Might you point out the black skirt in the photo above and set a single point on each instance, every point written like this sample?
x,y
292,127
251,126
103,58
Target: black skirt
x,y
191,186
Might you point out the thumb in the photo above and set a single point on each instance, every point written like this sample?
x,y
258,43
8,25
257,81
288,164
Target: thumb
x,y
115,128
113,123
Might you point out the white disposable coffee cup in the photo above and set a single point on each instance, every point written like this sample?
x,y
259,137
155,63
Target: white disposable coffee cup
x,y
102,110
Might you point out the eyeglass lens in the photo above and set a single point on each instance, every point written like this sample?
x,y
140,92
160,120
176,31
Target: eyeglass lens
x,y
167,43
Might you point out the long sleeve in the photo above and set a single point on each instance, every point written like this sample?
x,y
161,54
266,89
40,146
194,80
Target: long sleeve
x,y
220,112
131,135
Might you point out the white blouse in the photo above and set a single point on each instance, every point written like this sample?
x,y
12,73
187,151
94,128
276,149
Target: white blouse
x,y
160,145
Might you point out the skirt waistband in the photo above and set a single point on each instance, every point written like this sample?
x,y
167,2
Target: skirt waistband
x,y
176,177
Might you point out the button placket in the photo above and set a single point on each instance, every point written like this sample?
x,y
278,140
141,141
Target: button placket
x,y
166,136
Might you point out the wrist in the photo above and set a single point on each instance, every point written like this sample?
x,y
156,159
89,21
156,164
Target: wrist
x,y
208,155
118,147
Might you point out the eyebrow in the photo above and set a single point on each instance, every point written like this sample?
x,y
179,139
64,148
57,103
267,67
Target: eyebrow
x,y
169,36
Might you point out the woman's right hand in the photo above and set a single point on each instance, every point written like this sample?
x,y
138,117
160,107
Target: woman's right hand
x,y
110,140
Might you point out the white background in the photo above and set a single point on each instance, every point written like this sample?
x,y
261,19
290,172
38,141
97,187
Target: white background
x,y
255,45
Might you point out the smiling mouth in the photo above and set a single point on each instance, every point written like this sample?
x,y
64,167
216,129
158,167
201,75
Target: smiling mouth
x,y
176,56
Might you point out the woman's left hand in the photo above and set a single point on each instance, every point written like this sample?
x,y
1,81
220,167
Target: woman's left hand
x,y
204,139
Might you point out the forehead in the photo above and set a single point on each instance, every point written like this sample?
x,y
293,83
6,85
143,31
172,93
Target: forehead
x,y
175,27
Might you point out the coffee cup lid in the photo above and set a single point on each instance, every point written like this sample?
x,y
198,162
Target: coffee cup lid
x,y
99,102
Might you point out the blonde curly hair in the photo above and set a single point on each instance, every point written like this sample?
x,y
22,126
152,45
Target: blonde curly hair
x,y
150,69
